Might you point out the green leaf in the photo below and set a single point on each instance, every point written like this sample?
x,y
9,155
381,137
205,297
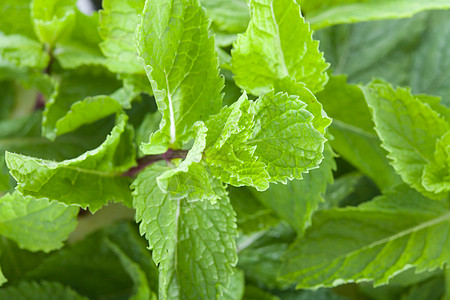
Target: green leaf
x,y
327,13
22,51
52,19
118,22
87,111
227,15
81,47
190,179
227,154
352,129
374,241
182,67
236,287
432,289
285,137
90,180
268,52
252,215
192,242
75,85
409,130
298,200
141,289
26,220
42,290
16,17
436,175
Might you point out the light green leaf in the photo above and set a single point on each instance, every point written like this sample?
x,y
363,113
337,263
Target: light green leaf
x,y
182,67
87,111
285,137
352,129
227,15
409,130
141,289
235,290
75,85
298,200
81,47
192,242
374,241
52,19
16,17
436,176
42,290
276,45
90,180
227,154
22,51
190,179
118,22
327,13
26,221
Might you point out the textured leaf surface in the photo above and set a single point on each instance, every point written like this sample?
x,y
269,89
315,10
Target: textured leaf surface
x,y
192,242
22,51
285,137
118,22
296,201
227,154
374,241
190,179
92,179
276,45
36,224
322,14
352,129
180,61
42,290
409,130
52,19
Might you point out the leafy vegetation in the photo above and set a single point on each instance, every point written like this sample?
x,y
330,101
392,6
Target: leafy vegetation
x,y
186,149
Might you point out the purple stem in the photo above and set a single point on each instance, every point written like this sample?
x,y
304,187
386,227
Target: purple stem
x,y
145,161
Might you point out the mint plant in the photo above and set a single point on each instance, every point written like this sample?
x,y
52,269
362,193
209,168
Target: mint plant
x,y
184,149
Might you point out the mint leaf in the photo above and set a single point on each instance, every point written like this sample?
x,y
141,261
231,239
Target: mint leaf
x,y
81,47
227,155
227,16
25,220
285,137
322,14
87,111
397,231
118,22
298,200
190,179
141,290
90,180
16,18
52,19
409,130
75,85
436,176
192,242
182,67
42,290
268,53
352,129
22,51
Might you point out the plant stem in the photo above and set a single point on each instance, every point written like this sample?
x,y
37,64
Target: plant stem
x,y
40,99
145,161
